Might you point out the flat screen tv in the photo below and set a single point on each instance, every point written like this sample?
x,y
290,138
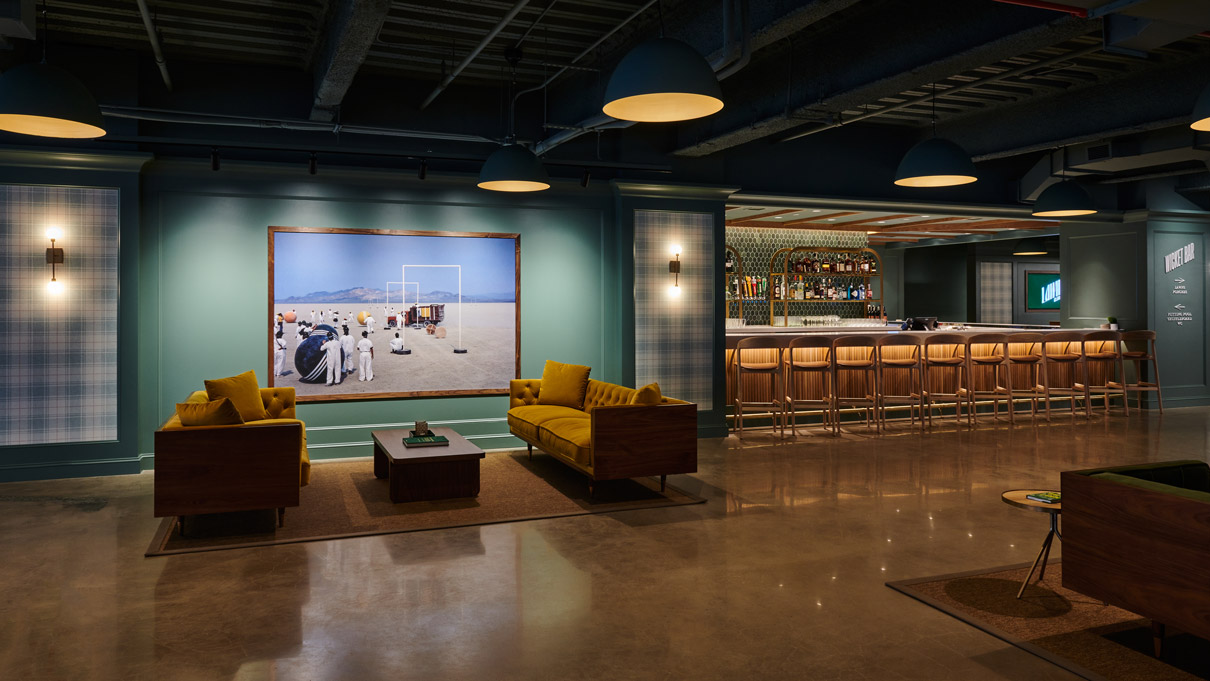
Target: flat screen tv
x,y
1042,291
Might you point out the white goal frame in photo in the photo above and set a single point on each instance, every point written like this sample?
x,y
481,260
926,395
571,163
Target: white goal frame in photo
x,y
458,349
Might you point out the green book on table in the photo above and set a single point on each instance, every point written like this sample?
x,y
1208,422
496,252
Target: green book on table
x,y
425,441
1045,497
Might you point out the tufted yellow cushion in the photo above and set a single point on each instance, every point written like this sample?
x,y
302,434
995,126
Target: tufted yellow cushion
x,y
648,394
243,393
602,394
279,402
218,412
523,391
570,438
564,384
526,420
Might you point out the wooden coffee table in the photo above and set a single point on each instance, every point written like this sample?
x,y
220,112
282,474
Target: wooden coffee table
x,y
427,473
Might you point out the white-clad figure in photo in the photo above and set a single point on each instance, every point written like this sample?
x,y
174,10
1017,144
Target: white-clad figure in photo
x,y
332,349
298,331
366,371
312,317
279,353
347,344
396,344
370,323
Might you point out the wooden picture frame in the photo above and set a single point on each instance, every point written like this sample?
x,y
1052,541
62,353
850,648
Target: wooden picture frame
x,y
309,391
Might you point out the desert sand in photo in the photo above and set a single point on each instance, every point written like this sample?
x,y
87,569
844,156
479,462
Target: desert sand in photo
x,y
487,334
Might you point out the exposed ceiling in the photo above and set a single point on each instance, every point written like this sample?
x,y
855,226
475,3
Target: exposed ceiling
x,y
881,227
1000,79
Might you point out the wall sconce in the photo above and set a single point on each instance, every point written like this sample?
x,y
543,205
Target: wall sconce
x,y
674,268
54,256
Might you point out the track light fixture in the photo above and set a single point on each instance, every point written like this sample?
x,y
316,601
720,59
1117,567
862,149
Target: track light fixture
x,y
313,165
423,171
215,161
935,162
584,179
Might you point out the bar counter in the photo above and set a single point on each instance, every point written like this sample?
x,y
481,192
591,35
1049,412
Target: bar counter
x,y
942,380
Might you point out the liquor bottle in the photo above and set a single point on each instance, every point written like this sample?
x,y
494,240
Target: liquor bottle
x,y
861,291
873,265
869,293
729,264
865,263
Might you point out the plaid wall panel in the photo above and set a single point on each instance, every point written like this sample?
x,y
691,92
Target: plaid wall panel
x,y
674,336
756,245
60,365
995,293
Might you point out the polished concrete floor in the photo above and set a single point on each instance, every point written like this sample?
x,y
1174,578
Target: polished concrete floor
x,y
779,576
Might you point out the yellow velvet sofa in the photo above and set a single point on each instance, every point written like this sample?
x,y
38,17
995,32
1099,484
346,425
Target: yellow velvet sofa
x,y
610,438
218,469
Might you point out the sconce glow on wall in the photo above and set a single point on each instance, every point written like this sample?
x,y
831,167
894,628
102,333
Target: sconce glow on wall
x,y
54,256
674,268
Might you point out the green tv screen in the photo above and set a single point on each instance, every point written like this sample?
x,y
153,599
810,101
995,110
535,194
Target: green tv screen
x,y
1042,290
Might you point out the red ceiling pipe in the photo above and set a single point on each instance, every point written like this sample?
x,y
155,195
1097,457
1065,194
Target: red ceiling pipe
x,y
1041,4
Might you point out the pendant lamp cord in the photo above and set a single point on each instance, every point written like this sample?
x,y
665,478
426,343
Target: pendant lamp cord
x,y
45,31
934,109
659,10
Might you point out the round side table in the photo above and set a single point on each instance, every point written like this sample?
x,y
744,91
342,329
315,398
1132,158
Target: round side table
x,y
1017,497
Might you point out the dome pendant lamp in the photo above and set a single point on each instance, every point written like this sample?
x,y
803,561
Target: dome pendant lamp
x,y
512,167
46,101
660,81
1201,112
1063,199
935,162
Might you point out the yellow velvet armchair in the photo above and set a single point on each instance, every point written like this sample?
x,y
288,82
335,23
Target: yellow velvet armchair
x,y
218,469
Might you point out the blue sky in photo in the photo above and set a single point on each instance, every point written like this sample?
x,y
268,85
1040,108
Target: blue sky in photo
x,y
306,262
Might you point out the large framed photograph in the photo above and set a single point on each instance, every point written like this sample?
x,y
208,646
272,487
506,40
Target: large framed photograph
x,y
365,313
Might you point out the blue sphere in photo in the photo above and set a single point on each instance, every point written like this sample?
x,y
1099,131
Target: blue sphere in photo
x,y
310,361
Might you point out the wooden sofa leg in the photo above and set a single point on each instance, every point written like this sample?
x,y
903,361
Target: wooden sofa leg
x,y
592,489
531,450
663,481
1157,638
281,517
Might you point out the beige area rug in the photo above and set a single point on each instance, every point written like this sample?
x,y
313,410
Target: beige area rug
x,y
344,499
1076,632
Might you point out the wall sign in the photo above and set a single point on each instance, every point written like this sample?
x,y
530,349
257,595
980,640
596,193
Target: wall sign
x,y
1179,289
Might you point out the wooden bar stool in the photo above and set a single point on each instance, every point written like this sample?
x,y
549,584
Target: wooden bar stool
x,y
938,359
858,357
811,364
913,392
755,357
1061,355
993,356
1106,358
1029,360
1147,354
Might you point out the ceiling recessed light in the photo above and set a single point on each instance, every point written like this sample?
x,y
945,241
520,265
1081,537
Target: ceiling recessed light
x,y
882,222
817,211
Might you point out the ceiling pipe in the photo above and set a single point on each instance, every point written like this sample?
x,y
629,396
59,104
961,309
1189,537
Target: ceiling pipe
x,y
953,90
189,118
491,35
154,38
735,56
1095,13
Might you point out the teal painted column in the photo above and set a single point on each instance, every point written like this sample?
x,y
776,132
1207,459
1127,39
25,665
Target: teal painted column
x,y
120,171
691,199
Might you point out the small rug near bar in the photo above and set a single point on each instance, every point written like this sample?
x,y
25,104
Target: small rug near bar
x,y
1096,641
344,499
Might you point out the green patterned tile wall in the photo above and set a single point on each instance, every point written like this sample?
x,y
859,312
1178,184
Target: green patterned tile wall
x,y
756,246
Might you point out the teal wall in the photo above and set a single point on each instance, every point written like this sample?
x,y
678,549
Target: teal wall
x,y
203,289
1103,270
935,282
1181,333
